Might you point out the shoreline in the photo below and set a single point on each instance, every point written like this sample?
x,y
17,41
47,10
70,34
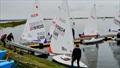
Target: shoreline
x,y
31,61
12,24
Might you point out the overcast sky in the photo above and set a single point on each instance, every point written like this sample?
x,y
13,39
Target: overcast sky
x,y
20,9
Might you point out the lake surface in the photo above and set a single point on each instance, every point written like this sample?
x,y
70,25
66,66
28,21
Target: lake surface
x,y
104,55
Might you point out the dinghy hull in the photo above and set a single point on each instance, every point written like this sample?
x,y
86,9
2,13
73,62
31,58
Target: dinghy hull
x,y
66,60
92,41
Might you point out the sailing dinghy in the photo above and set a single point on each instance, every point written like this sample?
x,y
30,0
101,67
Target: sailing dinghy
x,y
91,30
34,30
62,39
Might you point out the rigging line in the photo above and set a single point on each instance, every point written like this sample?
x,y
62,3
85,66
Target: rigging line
x,y
68,9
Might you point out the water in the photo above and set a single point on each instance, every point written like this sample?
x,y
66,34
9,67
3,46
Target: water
x,y
17,31
104,55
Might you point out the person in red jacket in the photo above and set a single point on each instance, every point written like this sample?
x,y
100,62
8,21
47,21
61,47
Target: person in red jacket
x,y
3,38
76,55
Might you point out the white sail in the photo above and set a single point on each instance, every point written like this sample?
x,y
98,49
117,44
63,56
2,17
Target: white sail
x,y
117,20
62,40
50,33
34,28
91,26
115,27
91,29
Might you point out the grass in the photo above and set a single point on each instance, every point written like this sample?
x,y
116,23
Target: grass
x,y
31,61
12,24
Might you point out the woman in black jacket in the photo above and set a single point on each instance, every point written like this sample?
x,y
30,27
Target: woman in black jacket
x,y
76,55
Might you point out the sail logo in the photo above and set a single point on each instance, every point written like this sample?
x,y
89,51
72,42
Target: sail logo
x,y
117,22
60,28
55,34
35,25
34,15
58,31
40,35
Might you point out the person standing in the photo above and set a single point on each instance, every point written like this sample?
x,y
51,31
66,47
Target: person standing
x,y
118,35
3,38
76,55
118,38
10,37
73,32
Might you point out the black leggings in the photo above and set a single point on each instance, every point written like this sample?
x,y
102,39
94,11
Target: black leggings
x,y
4,43
78,59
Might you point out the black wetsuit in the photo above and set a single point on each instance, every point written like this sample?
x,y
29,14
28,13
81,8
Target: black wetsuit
x,y
76,55
3,37
118,41
10,37
118,35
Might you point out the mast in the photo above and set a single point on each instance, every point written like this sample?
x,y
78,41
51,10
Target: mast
x,y
119,9
95,10
67,7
